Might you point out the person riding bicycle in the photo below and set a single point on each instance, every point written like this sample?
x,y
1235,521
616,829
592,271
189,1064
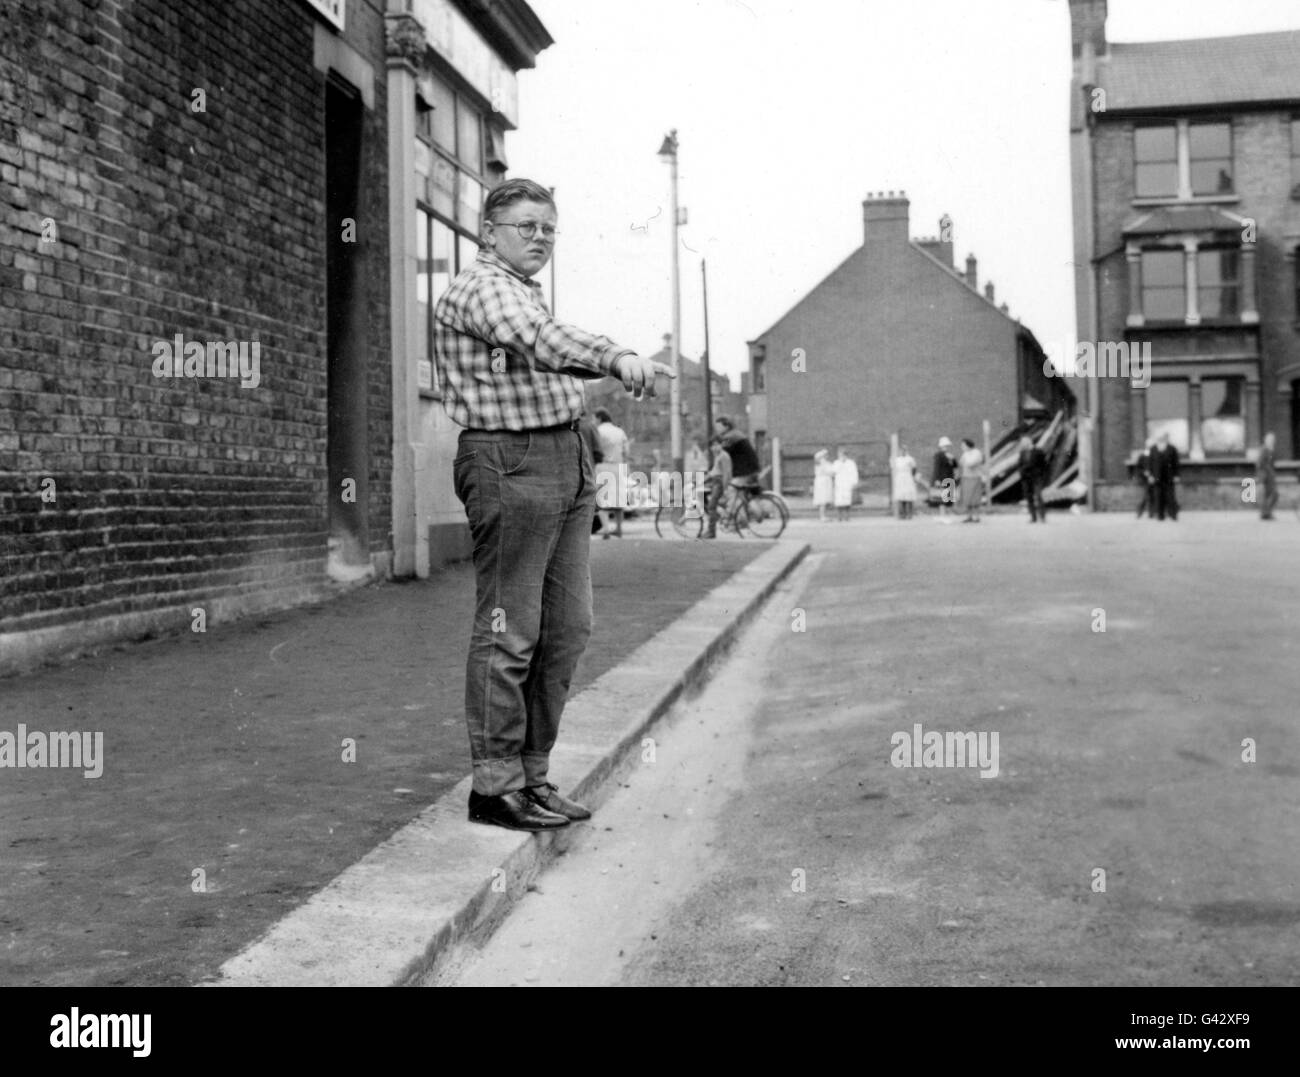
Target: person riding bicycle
x,y
745,465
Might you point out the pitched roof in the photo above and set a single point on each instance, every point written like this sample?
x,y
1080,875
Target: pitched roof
x,y
1202,71
1172,219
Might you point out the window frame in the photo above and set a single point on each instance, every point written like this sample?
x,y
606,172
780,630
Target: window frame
x,y
1295,156
1176,160
461,103
1148,287
1228,454
1234,285
1231,159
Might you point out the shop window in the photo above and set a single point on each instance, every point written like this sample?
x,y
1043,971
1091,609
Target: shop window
x,y
1223,416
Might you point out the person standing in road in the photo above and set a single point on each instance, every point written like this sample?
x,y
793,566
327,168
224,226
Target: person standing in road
x,y
823,483
1164,478
611,473
512,377
943,477
1033,473
903,467
1142,476
1266,476
846,481
971,467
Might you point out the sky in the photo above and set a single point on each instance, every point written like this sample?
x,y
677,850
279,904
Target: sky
x,y
788,115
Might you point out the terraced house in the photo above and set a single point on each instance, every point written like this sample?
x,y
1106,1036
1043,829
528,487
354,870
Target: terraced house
x,y
1185,161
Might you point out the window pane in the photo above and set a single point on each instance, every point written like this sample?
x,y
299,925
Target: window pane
x,y
1164,295
1295,153
443,118
423,158
1210,140
1212,177
1155,144
1223,422
468,251
1217,267
443,258
471,202
1167,412
423,267
1162,268
1154,181
1217,291
442,186
424,368
470,147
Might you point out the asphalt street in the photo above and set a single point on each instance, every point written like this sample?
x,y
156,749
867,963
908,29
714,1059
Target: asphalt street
x,y
1136,825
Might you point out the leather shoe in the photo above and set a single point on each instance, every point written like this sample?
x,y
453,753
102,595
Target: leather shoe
x,y
548,798
514,811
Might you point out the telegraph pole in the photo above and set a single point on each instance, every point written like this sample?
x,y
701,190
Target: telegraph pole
x,y
668,152
708,377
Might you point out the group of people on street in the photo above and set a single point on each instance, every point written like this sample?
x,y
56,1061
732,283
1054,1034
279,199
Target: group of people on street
x,y
834,482
1156,474
958,480
1157,478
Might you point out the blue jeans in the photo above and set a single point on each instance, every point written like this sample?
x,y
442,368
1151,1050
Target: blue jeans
x,y
529,498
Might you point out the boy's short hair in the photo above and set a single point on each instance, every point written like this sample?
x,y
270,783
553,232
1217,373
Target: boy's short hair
x,y
603,416
725,420
512,191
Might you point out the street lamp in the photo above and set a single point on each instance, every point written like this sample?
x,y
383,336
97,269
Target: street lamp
x,y
668,152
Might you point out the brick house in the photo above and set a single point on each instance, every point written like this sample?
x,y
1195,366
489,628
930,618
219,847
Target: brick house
x,y
187,187
1186,177
895,340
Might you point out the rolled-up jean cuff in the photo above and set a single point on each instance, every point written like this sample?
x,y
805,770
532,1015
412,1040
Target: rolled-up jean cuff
x,y
496,777
537,766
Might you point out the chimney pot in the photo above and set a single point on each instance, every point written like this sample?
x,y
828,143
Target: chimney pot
x,y
972,277
988,291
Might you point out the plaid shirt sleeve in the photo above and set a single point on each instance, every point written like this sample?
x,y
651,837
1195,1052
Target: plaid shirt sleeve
x,y
503,312
503,361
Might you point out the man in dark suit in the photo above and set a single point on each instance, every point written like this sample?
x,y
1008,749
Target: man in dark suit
x,y
1266,476
1164,477
1033,473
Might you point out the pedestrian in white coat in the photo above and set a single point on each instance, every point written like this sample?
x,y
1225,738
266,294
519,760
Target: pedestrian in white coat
x,y
846,481
823,482
903,467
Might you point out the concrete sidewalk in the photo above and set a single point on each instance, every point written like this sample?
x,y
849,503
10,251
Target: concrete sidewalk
x,y
226,800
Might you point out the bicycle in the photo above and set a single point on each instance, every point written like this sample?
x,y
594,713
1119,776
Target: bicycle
x,y
762,513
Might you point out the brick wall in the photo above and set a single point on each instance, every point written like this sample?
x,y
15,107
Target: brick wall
x,y
171,493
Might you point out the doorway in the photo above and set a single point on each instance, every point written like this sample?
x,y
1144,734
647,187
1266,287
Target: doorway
x,y
346,351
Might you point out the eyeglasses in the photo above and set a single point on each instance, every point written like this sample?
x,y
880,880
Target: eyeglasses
x,y
528,229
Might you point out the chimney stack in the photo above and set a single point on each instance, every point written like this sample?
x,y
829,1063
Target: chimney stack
x,y
988,291
884,218
1088,26
940,246
971,277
